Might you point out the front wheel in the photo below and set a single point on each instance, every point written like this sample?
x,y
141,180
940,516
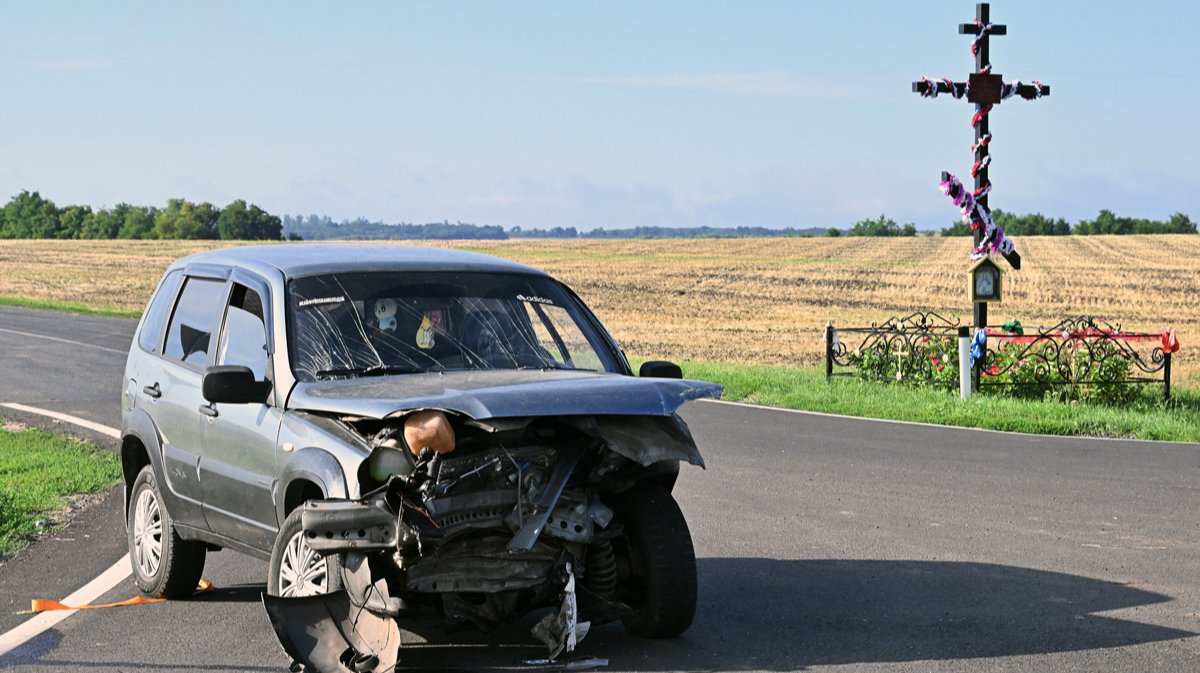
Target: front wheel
x,y
164,564
297,570
657,562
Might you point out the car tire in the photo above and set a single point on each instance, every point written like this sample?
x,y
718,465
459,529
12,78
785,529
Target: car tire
x,y
658,562
164,564
297,570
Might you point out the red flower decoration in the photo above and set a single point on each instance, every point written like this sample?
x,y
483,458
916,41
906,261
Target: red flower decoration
x,y
1169,341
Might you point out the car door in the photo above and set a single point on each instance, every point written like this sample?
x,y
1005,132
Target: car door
x,y
237,462
171,390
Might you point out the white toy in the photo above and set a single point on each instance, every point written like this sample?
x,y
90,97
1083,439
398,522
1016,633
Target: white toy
x,y
385,314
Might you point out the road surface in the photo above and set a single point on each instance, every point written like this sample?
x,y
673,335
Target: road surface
x,y
821,542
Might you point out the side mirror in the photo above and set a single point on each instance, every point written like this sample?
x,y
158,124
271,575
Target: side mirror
x,y
660,369
233,384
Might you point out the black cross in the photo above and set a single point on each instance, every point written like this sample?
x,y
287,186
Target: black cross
x,y
985,89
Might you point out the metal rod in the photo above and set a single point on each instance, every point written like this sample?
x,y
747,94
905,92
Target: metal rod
x,y
1167,377
828,351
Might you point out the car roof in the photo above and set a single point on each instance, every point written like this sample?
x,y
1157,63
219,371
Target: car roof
x,y
294,260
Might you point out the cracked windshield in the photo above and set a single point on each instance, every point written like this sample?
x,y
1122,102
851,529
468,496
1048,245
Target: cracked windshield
x,y
365,324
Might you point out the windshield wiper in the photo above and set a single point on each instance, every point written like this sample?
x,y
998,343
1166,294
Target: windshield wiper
x,y
555,368
373,370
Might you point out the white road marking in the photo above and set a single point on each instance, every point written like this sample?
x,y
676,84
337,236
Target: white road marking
x,y
66,341
936,426
66,418
108,579
34,627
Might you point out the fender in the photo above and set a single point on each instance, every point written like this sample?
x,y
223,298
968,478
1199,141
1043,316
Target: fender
x,y
312,464
138,424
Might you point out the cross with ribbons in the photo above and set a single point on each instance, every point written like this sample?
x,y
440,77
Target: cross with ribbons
x,y
986,90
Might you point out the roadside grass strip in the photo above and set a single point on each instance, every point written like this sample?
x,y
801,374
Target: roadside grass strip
x,y
38,470
805,388
69,307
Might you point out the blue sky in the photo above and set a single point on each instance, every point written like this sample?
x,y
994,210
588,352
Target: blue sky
x,y
613,114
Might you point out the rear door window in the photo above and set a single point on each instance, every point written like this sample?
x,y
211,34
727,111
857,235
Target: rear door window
x,y
155,324
189,337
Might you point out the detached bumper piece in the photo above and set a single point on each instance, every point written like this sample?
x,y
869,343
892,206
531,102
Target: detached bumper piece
x,y
332,526
327,634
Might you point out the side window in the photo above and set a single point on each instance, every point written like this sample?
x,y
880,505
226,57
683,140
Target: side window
x,y
155,324
244,334
190,334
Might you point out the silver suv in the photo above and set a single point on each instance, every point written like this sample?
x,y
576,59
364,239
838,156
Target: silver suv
x,y
455,424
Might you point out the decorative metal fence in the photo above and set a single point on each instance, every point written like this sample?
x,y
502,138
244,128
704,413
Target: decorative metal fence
x,y
919,348
1083,356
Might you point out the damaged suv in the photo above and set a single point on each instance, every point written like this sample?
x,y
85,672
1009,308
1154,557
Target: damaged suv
x,y
415,438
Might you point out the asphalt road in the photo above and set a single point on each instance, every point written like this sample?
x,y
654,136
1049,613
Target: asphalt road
x,y
821,542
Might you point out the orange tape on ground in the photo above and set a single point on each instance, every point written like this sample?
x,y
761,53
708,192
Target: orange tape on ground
x,y
41,605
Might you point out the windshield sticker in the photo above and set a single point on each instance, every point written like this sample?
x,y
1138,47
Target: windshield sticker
x,y
321,300
535,299
430,322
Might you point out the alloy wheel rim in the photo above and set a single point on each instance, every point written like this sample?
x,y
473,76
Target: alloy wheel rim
x,y
147,534
302,571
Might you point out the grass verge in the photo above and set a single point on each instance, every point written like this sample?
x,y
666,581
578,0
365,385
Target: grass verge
x,y
37,471
806,388
69,307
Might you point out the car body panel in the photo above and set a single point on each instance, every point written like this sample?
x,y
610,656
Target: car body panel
x,y
502,394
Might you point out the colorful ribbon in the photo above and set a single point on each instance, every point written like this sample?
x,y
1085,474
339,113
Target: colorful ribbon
x,y
979,217
38,605
978,345
983,33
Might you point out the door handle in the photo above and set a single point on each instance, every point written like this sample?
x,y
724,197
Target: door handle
x,y
208,410
152,391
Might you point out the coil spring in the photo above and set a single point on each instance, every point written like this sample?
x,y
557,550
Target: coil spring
x,y
600,574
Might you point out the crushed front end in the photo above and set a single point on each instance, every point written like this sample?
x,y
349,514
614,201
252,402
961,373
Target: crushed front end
x,y
475,524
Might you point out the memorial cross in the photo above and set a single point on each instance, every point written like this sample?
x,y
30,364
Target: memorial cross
x,y
985,89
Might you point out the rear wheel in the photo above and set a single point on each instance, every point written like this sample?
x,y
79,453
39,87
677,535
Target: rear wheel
x,y
297,570
656,561
164,564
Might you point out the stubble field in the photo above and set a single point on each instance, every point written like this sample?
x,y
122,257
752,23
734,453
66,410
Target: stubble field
x,y
741,300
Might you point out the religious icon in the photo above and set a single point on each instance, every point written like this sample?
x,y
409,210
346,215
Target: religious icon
x,y
984,284
983,281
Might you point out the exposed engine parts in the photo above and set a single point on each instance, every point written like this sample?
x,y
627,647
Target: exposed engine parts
x,y
479,524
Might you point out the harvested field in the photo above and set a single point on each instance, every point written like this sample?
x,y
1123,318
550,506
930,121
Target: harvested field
x,y
742,300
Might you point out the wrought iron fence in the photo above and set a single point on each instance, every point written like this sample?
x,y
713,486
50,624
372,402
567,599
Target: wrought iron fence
x,y
1082,351
921,347
1078,354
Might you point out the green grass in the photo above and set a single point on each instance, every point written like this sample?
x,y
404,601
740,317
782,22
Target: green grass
x,y
37,469
806,388
69,307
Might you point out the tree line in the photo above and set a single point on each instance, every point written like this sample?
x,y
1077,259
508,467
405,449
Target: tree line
x,y
30,215
1031,224
1106,222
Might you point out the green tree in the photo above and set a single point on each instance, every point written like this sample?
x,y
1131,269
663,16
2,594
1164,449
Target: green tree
x,y
959,228
882,226
182,219
238,221
28,215
102,224
71,221
1181,224
136,221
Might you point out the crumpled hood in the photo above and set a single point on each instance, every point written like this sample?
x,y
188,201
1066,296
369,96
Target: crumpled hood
x,y
502,394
